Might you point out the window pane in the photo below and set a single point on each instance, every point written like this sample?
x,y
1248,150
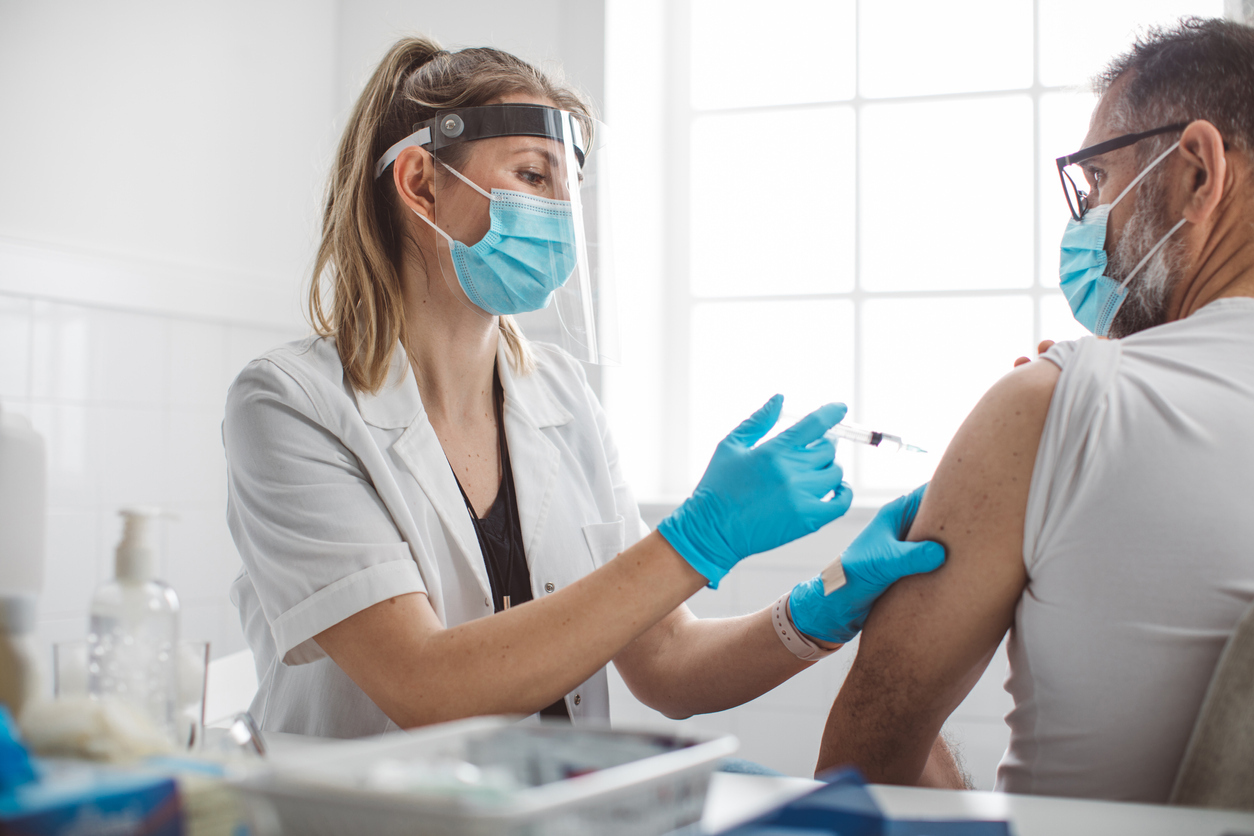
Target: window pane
x,y
744,352
1078,37
783,227
918,47
947,194
785,52
1064,123
926,362
1057,321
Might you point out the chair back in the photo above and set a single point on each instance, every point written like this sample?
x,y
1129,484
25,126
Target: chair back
x,y
1218,766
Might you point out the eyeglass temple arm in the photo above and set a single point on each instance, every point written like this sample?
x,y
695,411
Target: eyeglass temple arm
x,y
1115,144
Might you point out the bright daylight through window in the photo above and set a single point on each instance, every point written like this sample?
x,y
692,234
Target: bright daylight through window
x,y
860,204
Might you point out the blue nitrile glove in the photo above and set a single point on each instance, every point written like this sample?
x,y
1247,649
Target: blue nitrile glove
x,y
874,561
752,499
15,765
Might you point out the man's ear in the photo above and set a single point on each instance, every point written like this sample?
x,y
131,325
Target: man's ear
x,y
1202,148
413,173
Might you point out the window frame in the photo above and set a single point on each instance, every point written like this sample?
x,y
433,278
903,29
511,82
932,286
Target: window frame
x,y
679,303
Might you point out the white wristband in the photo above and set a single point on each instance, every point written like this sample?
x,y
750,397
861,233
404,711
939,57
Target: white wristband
x,y
791,637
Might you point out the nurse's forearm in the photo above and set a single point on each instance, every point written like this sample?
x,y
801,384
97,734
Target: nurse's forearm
x,y
691,665
513,662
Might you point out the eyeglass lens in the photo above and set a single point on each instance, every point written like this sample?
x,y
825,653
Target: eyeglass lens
x,y
1075,187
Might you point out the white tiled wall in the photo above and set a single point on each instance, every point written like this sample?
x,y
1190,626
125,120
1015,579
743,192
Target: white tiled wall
x,y
130,407
782,729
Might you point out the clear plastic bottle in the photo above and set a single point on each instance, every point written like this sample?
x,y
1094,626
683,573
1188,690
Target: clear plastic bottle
x,y
133,639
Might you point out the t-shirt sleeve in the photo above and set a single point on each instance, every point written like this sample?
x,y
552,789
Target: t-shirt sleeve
x,y
1075,418
316,539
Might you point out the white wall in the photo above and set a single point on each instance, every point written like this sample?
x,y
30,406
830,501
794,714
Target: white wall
x,y
188,141
161,167
636,111
130,405
569,33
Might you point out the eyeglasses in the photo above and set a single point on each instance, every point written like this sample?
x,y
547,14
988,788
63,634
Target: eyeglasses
x,y
1078,199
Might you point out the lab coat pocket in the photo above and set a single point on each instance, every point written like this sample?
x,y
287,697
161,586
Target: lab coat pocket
x,y
605,540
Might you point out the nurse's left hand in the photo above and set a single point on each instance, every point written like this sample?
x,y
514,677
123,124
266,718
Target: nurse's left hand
x,y
876,559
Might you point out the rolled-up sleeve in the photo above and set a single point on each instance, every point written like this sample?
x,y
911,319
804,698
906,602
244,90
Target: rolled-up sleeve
x,y
316,539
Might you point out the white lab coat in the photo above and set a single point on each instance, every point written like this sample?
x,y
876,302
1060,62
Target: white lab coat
x,y
339,499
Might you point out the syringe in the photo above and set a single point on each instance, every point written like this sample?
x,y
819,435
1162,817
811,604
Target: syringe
x,y
872,438
875,438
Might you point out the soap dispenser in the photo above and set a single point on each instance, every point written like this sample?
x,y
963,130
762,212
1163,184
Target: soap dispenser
x,y
132,643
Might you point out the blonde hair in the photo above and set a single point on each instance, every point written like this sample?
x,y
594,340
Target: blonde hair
x,y
360,255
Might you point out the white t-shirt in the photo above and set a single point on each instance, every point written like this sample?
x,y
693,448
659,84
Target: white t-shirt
x,y
339,499
1139,547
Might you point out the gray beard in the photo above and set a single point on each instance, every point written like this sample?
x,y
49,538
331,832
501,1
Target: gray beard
x,y
1150,291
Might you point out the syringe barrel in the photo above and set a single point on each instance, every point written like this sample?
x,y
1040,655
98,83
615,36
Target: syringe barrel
x,y
858,434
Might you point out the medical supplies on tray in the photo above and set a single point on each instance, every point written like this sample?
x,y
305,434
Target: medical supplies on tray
x,y
495,777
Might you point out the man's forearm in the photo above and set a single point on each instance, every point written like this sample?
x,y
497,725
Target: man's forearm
x,y
868,727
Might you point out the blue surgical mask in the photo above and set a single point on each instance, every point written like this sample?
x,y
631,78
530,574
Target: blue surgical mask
x,y
1094,297
527,254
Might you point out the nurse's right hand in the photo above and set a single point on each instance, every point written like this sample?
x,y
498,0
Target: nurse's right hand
x,y
753,499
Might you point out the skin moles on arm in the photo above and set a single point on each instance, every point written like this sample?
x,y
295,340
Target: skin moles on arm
x,y
930,637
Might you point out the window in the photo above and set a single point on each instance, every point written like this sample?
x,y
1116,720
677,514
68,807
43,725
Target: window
x,y
841,200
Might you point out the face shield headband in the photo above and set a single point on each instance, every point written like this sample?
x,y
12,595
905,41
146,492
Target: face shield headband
x,y
487,121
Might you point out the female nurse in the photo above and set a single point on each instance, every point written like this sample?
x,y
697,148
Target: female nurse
x,y
430,509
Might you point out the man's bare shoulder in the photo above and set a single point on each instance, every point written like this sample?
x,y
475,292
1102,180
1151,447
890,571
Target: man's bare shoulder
x,y
982,480
930,636
975,507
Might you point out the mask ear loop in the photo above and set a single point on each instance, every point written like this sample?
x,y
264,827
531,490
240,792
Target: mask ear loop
x,y
1150,254
465,180
1165,238
1139,177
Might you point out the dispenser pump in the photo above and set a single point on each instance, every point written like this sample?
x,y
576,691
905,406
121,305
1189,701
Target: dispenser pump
x,y
136,558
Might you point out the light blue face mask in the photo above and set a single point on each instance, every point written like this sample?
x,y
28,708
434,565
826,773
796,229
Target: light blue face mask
x,y
1094,297
527,254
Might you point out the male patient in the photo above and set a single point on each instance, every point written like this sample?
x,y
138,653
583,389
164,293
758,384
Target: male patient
x,y
1098,503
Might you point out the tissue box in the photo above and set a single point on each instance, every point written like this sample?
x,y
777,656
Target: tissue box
x,y
74,798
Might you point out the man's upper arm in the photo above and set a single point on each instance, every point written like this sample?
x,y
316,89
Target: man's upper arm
x,y
930,636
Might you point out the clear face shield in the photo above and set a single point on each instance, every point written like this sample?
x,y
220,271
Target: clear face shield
x,y
520,201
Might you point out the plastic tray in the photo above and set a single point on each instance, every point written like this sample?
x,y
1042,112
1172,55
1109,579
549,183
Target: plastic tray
x,y
620,782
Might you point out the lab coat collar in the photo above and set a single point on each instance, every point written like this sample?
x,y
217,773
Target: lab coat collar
x,y
397,403
530,406
530,395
